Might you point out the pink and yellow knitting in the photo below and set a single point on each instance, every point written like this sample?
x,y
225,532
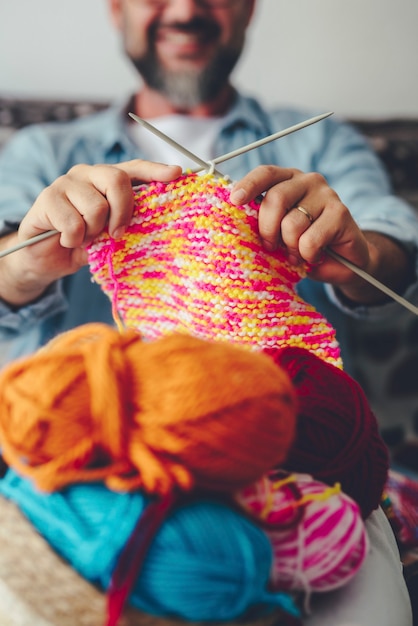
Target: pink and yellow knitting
x,y
192,262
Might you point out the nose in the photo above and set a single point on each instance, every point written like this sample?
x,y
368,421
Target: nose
x,y
183,10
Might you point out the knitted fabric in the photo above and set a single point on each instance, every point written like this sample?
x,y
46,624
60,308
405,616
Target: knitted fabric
x,y
192,262
318,537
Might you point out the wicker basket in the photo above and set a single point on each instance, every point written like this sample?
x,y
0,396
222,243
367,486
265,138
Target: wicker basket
x,y
38,588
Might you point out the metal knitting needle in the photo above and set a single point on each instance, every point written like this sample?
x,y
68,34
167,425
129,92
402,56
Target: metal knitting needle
x,y
203,164
28,242
264,140
370,279
373,281
230,155
367,277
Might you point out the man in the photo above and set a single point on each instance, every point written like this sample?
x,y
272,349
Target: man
x,y
185,51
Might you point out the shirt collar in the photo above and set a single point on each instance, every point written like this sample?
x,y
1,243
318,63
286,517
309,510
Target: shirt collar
x,y
245,112
114,136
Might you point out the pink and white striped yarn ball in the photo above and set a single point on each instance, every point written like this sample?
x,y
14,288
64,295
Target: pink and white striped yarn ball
x,y
318,536
192,262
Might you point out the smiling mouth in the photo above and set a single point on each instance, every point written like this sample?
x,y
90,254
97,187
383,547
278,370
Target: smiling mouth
x,y
197,33
180,37
183,43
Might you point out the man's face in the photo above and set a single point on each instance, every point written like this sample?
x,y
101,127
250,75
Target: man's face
x,y
183,49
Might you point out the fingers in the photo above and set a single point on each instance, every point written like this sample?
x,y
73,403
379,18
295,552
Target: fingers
x,y
88,198
140,171
260,180
281,189
113,204
300,212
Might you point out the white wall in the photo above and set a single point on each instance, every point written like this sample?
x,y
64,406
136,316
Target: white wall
x,y
355,57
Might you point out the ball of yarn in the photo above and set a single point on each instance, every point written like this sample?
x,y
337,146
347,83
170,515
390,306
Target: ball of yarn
x,y
207,562
192,262
96,404
317,533
337,435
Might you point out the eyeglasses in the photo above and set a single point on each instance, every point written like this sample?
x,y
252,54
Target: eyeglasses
x,y
215,4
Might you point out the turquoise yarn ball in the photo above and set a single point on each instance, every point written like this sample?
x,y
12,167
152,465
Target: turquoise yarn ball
x,y
207,562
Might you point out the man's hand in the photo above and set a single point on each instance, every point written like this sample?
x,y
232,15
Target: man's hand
x,y
322,221
78,205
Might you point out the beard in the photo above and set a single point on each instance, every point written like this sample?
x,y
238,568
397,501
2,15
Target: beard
x,y
186,89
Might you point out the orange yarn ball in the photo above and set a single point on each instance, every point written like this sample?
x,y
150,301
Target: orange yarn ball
x,y
96,404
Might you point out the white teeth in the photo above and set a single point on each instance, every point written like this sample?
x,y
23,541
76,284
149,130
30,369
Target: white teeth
x,y
181,38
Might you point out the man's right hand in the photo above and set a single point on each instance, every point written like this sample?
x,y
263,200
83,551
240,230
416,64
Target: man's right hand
x,y
79,205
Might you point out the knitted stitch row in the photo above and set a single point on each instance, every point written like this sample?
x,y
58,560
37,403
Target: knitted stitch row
x,y
192,262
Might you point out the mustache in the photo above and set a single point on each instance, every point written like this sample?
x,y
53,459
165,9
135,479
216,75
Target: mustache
x,y
206,27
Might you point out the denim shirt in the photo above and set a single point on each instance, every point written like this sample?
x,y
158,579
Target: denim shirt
x,y
38,154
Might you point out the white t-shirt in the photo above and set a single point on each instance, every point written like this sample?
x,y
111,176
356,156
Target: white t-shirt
x,y
197,134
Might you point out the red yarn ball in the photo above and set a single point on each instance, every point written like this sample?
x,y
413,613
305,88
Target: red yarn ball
x,y
337,434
